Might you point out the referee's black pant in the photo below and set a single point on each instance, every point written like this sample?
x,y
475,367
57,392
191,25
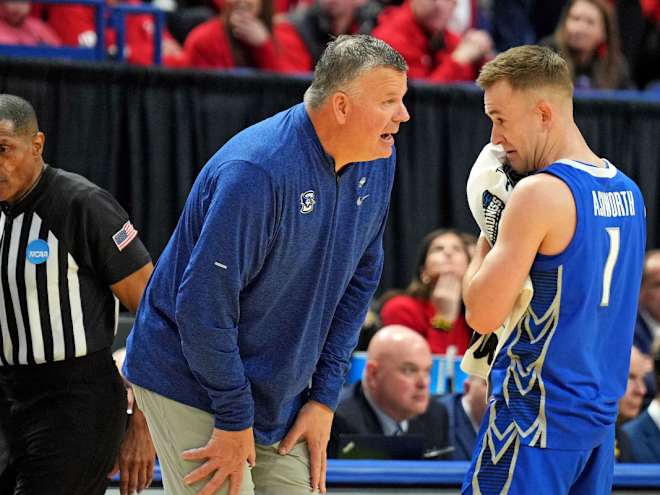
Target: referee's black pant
x,y
65,424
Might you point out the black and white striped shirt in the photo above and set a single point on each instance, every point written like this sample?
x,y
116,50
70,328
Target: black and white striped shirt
x,y
61,247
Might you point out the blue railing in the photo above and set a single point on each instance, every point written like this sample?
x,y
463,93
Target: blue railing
x,y
118,15
443,473
103,14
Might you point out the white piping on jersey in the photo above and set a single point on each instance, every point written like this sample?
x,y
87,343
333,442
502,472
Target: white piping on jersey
x,y
54,308
33,302
79,341
606,172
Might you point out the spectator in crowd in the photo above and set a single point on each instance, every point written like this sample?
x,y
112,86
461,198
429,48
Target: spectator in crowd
x,y
65,416
418,30
647,66
647,326
466,15
17,27
393,398
465,413
587,36
240,36
76,27
433,304
644,431
182,16
304,33
630,404
523,22
648,318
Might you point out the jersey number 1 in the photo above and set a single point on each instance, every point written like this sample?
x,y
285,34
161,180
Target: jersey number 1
x,y
615,238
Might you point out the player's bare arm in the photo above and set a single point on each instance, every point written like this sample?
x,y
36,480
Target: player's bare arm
x,y
539,217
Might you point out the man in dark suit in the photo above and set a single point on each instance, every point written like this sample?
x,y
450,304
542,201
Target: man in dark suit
x,y
648,318
630,405
393,399
465,411
644,431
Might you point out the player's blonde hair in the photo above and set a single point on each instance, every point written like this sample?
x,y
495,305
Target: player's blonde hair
x,y
528,67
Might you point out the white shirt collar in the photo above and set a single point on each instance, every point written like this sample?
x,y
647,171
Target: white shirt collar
x,y
654,412
390,427
653,324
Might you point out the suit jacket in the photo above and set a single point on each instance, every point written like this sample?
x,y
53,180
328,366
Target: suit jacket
x,y
461,433
622,445
643,338
644,438
355,415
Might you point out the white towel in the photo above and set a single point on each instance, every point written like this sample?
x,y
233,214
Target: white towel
x,y
488,188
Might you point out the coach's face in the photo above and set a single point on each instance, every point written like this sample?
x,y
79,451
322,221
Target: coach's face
x,y
20,160
517,124
374,110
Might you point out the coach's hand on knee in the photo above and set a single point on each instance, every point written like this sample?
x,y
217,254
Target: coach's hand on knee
x,y
313,424
225,454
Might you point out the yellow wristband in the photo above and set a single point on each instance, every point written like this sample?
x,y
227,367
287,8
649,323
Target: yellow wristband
x,y
439,322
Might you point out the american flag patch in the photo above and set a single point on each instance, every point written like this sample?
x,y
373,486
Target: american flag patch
x,y
125,235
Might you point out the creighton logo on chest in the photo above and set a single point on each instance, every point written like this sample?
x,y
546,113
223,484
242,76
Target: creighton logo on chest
x,y
307,202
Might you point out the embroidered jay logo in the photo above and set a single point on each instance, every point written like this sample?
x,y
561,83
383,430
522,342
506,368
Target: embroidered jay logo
x,y
307,202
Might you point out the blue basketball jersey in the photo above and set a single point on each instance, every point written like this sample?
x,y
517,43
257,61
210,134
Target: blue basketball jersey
x,y
560,374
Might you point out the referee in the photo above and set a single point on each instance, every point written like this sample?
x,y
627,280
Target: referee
x,y
67,253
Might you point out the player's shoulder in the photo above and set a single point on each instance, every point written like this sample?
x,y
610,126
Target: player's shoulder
x,y
541,191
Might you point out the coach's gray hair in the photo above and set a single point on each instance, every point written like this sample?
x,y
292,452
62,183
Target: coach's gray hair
x,y
344,59
19,112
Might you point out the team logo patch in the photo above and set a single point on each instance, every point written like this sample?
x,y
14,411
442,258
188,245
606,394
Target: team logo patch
x,y
124,236
37,252
307,202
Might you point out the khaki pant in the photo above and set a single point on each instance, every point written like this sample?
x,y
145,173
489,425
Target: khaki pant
x,y
176,427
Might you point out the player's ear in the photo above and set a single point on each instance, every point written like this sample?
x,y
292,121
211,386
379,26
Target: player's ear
x,y
545,112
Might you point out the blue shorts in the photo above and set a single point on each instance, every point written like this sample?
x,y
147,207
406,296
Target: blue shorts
x,y
502,465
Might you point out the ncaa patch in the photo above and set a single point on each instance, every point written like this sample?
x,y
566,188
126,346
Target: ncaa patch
x,y
124,236
37,252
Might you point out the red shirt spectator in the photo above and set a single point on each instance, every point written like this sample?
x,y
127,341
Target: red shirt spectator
x,y
306,31
417,314
75,26
417,29
19,28
433,303
240,37
651,10
208,46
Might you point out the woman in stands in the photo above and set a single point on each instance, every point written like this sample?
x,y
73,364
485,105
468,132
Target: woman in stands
x,y
241,36
587,36
432,304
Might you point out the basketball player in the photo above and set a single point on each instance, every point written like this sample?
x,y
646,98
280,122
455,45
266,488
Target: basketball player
x,y
576,225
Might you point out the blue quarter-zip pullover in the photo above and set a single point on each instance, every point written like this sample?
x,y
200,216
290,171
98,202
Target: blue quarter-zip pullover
x,y
256,303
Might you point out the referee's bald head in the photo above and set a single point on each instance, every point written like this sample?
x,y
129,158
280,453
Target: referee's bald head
x,y
20,113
